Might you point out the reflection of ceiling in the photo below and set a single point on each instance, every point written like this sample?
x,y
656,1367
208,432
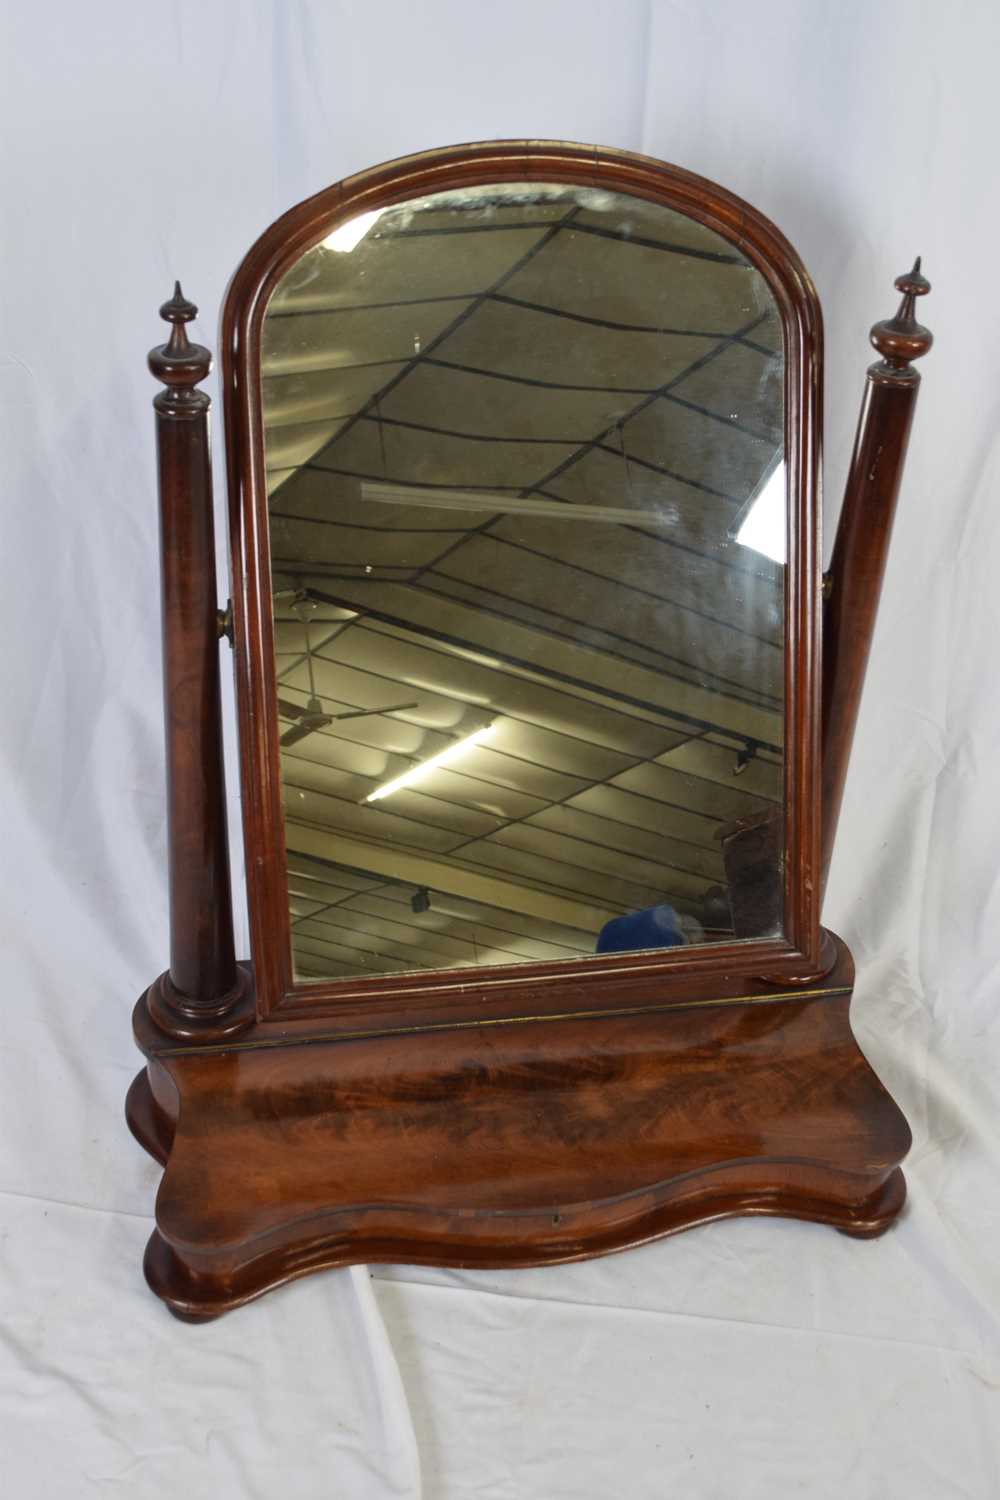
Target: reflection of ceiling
x,y
540,352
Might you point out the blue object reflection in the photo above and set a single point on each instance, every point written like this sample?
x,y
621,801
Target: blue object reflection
x,y
655,927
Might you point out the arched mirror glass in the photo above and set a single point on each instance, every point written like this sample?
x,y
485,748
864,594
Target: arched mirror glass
x,y
527,510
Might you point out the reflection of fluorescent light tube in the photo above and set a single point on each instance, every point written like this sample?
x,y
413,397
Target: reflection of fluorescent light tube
x,y
346,236
761,523
415,772
415,494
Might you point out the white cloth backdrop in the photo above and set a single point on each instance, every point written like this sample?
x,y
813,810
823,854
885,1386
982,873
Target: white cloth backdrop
x,y
143,141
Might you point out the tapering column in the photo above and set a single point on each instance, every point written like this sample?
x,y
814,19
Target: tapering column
x,y
203,995
854,582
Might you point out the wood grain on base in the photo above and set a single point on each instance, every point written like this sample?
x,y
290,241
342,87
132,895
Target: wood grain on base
x,y
514,1145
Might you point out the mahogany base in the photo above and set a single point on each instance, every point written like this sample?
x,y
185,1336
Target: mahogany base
x,y
507,1145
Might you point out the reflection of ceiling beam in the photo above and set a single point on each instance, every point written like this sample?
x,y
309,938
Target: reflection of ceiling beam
x,y
439,498
421,870
684,715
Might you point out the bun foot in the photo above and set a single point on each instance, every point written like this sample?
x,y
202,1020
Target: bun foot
x,y
883,1211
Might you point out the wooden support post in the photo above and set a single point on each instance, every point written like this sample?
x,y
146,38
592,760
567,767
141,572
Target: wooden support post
x,y
854,582
204,994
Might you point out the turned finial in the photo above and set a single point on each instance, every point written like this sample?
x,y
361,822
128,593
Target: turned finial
x,y
179,363
902,339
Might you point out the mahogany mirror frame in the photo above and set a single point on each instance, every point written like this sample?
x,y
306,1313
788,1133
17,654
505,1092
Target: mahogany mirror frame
x,y
620,979
543,1112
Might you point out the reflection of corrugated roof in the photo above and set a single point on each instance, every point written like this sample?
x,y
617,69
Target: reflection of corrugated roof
x,y
622,358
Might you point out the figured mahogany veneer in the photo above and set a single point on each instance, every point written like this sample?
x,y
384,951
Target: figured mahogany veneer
x,y
510,1145
550,1112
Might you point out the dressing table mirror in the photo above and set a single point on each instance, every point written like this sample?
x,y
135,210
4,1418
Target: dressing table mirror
x,y
544,718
